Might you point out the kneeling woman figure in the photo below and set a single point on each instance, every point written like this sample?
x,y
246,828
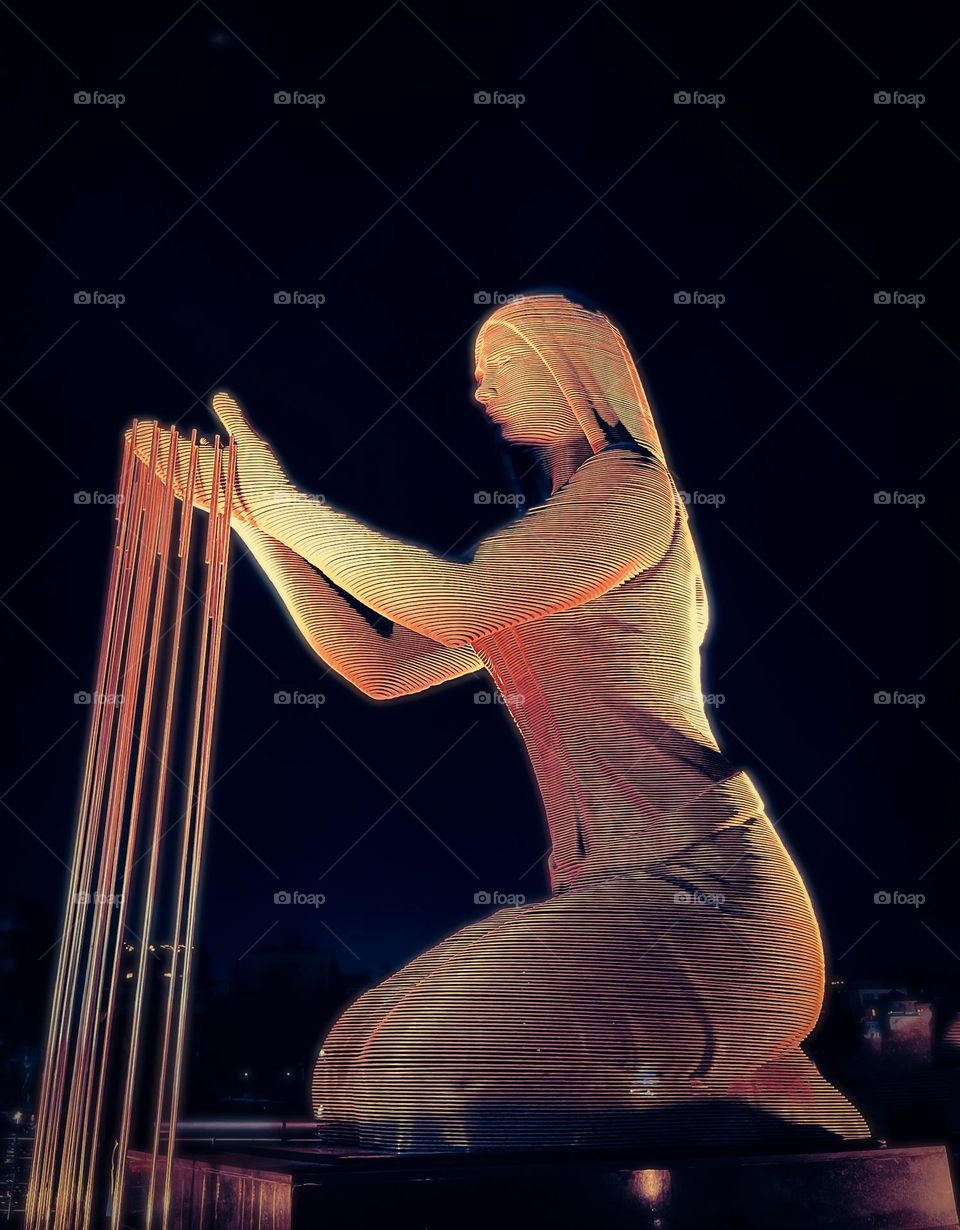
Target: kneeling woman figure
x,y
662,991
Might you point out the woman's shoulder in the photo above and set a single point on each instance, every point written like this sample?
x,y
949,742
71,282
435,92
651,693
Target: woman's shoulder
x,y
622,462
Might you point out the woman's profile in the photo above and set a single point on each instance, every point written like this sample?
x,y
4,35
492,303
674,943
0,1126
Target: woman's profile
x,y
662,991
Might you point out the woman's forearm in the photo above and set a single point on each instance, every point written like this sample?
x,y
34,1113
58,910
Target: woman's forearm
x,y
380,665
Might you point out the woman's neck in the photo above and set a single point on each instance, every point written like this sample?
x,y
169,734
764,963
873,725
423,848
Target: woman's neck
x,y
562,460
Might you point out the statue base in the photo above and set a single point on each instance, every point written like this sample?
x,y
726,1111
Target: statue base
x,y
312,1187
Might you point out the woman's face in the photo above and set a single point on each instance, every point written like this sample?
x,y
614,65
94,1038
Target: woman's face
x,y
521,396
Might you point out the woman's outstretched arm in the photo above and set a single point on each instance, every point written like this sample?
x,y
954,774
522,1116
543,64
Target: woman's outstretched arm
x,y
382,665
615,518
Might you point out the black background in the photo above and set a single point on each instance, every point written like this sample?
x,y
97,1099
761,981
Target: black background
x,y
400,199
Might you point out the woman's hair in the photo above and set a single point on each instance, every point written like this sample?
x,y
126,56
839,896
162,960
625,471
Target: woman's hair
x,y
586,355
582,350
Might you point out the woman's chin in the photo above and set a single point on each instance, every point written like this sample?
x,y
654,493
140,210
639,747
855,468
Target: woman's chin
x,y
516,435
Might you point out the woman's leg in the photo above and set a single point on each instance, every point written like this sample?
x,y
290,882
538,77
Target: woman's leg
x,y
342,1047
624,1010
524,1028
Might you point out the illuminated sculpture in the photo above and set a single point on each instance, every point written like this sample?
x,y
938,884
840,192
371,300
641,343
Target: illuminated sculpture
x,y
662,991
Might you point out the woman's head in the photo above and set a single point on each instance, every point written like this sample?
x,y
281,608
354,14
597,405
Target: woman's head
x,y
550,372
519,393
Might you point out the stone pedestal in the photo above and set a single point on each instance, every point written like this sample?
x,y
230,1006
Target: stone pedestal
x,y
308,1187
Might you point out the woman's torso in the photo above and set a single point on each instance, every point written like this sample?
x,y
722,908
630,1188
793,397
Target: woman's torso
x,y
607,697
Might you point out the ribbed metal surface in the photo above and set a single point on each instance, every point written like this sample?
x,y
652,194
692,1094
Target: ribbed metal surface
x,y
663,990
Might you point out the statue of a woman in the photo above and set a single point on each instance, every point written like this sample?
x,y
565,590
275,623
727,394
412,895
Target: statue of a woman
x,y
661,992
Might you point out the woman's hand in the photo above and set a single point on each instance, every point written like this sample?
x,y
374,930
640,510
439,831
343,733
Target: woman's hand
x,y
260,479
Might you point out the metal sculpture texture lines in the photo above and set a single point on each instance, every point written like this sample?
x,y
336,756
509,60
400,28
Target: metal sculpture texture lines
x,y
662,991
130,893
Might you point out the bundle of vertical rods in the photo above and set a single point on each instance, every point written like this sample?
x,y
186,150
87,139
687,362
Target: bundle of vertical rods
x,y
121,889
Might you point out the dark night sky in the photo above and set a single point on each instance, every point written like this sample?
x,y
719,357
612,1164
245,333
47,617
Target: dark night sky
x,y
399,199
